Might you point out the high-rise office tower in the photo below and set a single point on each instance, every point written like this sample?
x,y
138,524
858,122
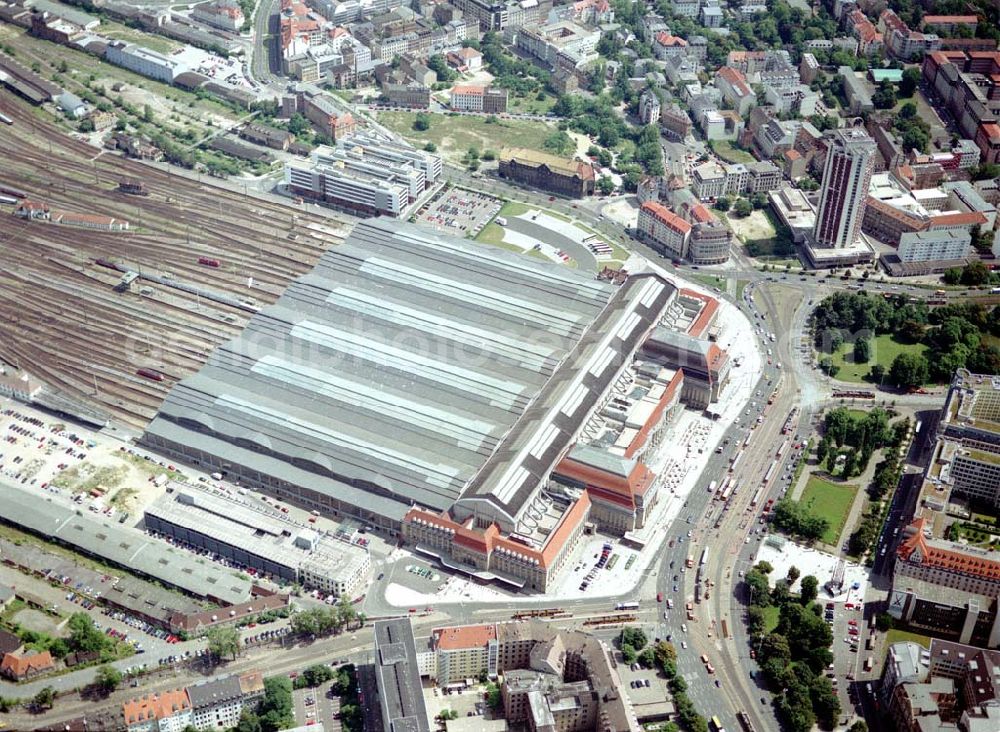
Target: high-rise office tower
x,y
846,175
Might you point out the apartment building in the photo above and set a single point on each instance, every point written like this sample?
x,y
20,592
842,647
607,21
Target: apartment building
x,y
218,703
464,652
965,84
326,116
649,107
561,681
167,711
902,42
664,230
709,181
870,40
735,90
413,96
222,14
474,98
666,45
711,241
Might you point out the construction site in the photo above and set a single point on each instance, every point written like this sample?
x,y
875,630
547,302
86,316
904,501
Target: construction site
x,y
108,321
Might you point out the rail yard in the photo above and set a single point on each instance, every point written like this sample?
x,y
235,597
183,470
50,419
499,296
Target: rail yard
x,y
197,261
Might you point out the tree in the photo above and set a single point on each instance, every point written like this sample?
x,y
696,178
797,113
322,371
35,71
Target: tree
x,y
275,709
107,678
975,273
908,85
859,726
83,636
862,350
755,620
828,367
629,655
605,185
439,65
634,637
884,96
346,614
147,113
908,370
298,124
430,147
793,574
808,589
876,373
647,658
86,125
742,208
489,155
422,122
318,673
758,588
45,698
884,621
447,714
223,641
986,171
558,143
494,699
722,203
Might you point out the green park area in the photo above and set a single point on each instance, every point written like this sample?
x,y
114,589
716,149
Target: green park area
x,y
884,349
831,501
453,135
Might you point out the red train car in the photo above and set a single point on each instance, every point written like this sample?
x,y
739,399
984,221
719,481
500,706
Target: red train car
x,y
150,374
208,262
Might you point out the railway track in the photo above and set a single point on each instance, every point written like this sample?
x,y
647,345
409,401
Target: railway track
x,y
60,317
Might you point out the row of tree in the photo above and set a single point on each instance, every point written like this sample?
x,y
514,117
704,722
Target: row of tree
x,y
688,717
794,655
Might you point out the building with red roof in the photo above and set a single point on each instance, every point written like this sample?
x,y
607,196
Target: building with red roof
x,y
167,711
666,45
663,230
20,666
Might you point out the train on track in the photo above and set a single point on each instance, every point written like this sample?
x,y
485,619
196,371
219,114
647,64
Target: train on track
x,y
5,119
133,187
15,192
150,374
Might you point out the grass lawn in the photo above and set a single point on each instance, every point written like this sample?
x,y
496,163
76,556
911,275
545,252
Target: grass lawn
x,y
740,286
771,614
901,636
725,150
492,233
455,135
832,501
884,350
709,280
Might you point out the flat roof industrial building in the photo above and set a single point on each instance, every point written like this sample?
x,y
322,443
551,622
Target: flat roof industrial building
x,y
102,537
264,540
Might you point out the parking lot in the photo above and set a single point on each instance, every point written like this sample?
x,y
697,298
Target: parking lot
x,y
466,212
317,706
849,637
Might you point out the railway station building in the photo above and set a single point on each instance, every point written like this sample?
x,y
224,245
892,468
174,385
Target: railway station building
x,y
435,389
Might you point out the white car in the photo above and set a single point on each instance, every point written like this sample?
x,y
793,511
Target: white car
x,y
684,627
684,645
